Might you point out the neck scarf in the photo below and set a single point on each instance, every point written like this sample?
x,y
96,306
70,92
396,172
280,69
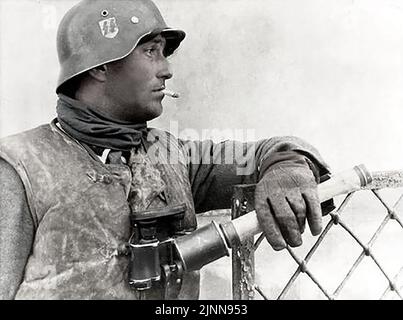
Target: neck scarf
x,y
90,126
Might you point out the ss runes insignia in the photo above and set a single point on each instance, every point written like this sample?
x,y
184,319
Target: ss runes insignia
x,y
109,28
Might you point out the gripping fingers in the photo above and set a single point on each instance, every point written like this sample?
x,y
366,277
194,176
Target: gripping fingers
x,y
297,205
268,224
313,211
286,220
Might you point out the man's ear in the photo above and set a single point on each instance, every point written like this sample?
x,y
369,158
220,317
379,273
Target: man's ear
x,y
99,73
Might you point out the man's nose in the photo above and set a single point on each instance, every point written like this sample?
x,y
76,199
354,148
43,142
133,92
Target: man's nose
x,y
165,71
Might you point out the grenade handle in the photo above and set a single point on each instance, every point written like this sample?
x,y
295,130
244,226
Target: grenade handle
x,y
213,241
341,183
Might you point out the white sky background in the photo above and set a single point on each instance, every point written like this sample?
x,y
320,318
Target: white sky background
x,y
328,71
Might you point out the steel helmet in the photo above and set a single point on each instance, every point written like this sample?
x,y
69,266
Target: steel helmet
x,y
96,32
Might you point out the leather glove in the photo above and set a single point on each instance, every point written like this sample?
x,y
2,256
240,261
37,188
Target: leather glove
x,y
285,197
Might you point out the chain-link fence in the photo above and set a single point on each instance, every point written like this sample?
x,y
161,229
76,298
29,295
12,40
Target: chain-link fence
x,y
358,255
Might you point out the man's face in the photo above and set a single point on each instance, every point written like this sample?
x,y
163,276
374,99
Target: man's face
x,y
134,83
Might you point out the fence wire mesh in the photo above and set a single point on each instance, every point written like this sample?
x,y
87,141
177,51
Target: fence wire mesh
x,y
249,284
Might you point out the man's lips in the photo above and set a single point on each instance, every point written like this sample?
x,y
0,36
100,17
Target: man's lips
x,y
159,89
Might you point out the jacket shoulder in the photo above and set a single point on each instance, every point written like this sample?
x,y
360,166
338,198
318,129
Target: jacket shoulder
x,y
27,135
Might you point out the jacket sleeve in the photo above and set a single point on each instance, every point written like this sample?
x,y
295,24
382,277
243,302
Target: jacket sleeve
x,y
214,168
16,231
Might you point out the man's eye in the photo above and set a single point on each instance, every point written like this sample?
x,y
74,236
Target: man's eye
x,y
150,51
154,51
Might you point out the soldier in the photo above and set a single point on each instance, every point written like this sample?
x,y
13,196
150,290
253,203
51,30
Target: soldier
x,y
68,188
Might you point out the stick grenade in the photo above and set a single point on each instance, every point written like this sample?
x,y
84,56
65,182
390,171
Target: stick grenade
x,y
213,241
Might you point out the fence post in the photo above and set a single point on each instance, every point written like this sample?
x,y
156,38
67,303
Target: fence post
x,y
243,256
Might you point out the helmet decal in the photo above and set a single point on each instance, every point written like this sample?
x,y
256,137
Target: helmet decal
x,y
109,27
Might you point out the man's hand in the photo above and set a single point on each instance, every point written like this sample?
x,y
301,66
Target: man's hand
x,y
285,197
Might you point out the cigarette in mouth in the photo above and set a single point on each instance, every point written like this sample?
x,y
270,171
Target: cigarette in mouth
x,y
170,93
